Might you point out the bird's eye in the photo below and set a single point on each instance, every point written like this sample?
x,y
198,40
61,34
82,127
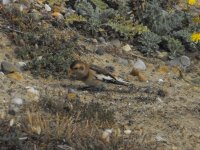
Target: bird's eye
x,y
75,68
82,68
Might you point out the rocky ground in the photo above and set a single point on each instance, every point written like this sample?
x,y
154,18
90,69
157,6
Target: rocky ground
x,y
162,109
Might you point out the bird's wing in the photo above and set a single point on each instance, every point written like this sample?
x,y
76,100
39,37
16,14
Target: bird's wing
x,y
106,76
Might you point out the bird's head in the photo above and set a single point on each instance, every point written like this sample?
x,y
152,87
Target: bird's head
x,y
78,70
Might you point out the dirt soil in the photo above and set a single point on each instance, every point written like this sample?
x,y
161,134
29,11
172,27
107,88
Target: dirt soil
x,y
166,113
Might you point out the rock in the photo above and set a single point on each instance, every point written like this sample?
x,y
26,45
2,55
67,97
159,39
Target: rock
x,y
21,65
32,93
8,67
102,40
94,41
185,61
123,61
158,138
17,101
16,76
142,78
182,62
64,147
139,64
127,132
135,72
47,7
116,43
58,15
106,135
11,123
160,80
126,48
100,52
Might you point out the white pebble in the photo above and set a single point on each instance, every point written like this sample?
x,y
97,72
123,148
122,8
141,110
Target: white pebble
x,y
22,64
160,80
127,131
12,121
126,48
17,101
32,90
109,131
160,139
106,135
159,99
47,7
139,64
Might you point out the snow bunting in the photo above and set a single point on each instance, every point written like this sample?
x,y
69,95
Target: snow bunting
x,y
93,75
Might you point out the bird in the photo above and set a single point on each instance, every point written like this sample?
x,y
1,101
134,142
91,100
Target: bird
x,y
93,75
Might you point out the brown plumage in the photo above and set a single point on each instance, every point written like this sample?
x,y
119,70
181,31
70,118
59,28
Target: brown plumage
x,y
92,75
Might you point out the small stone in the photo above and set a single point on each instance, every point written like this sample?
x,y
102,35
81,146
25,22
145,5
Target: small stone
x,y
123,61
39,58
22,42
139,64
159,99
12,121
160,80
65,147
116,43
102,40
8,67
100,52
17,101
182,62
94,41
32,93
126,48
21,64
47,7
58,15
135,72
185,61
160,139
106,135
127,132
16,76
142,78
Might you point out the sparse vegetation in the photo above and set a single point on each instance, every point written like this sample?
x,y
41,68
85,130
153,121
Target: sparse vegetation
x,y
49,43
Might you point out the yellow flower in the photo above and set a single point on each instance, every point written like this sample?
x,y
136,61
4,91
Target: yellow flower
x,y
192,2
195,37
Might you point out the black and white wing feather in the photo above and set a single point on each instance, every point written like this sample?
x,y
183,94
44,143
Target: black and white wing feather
x,y
106,76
